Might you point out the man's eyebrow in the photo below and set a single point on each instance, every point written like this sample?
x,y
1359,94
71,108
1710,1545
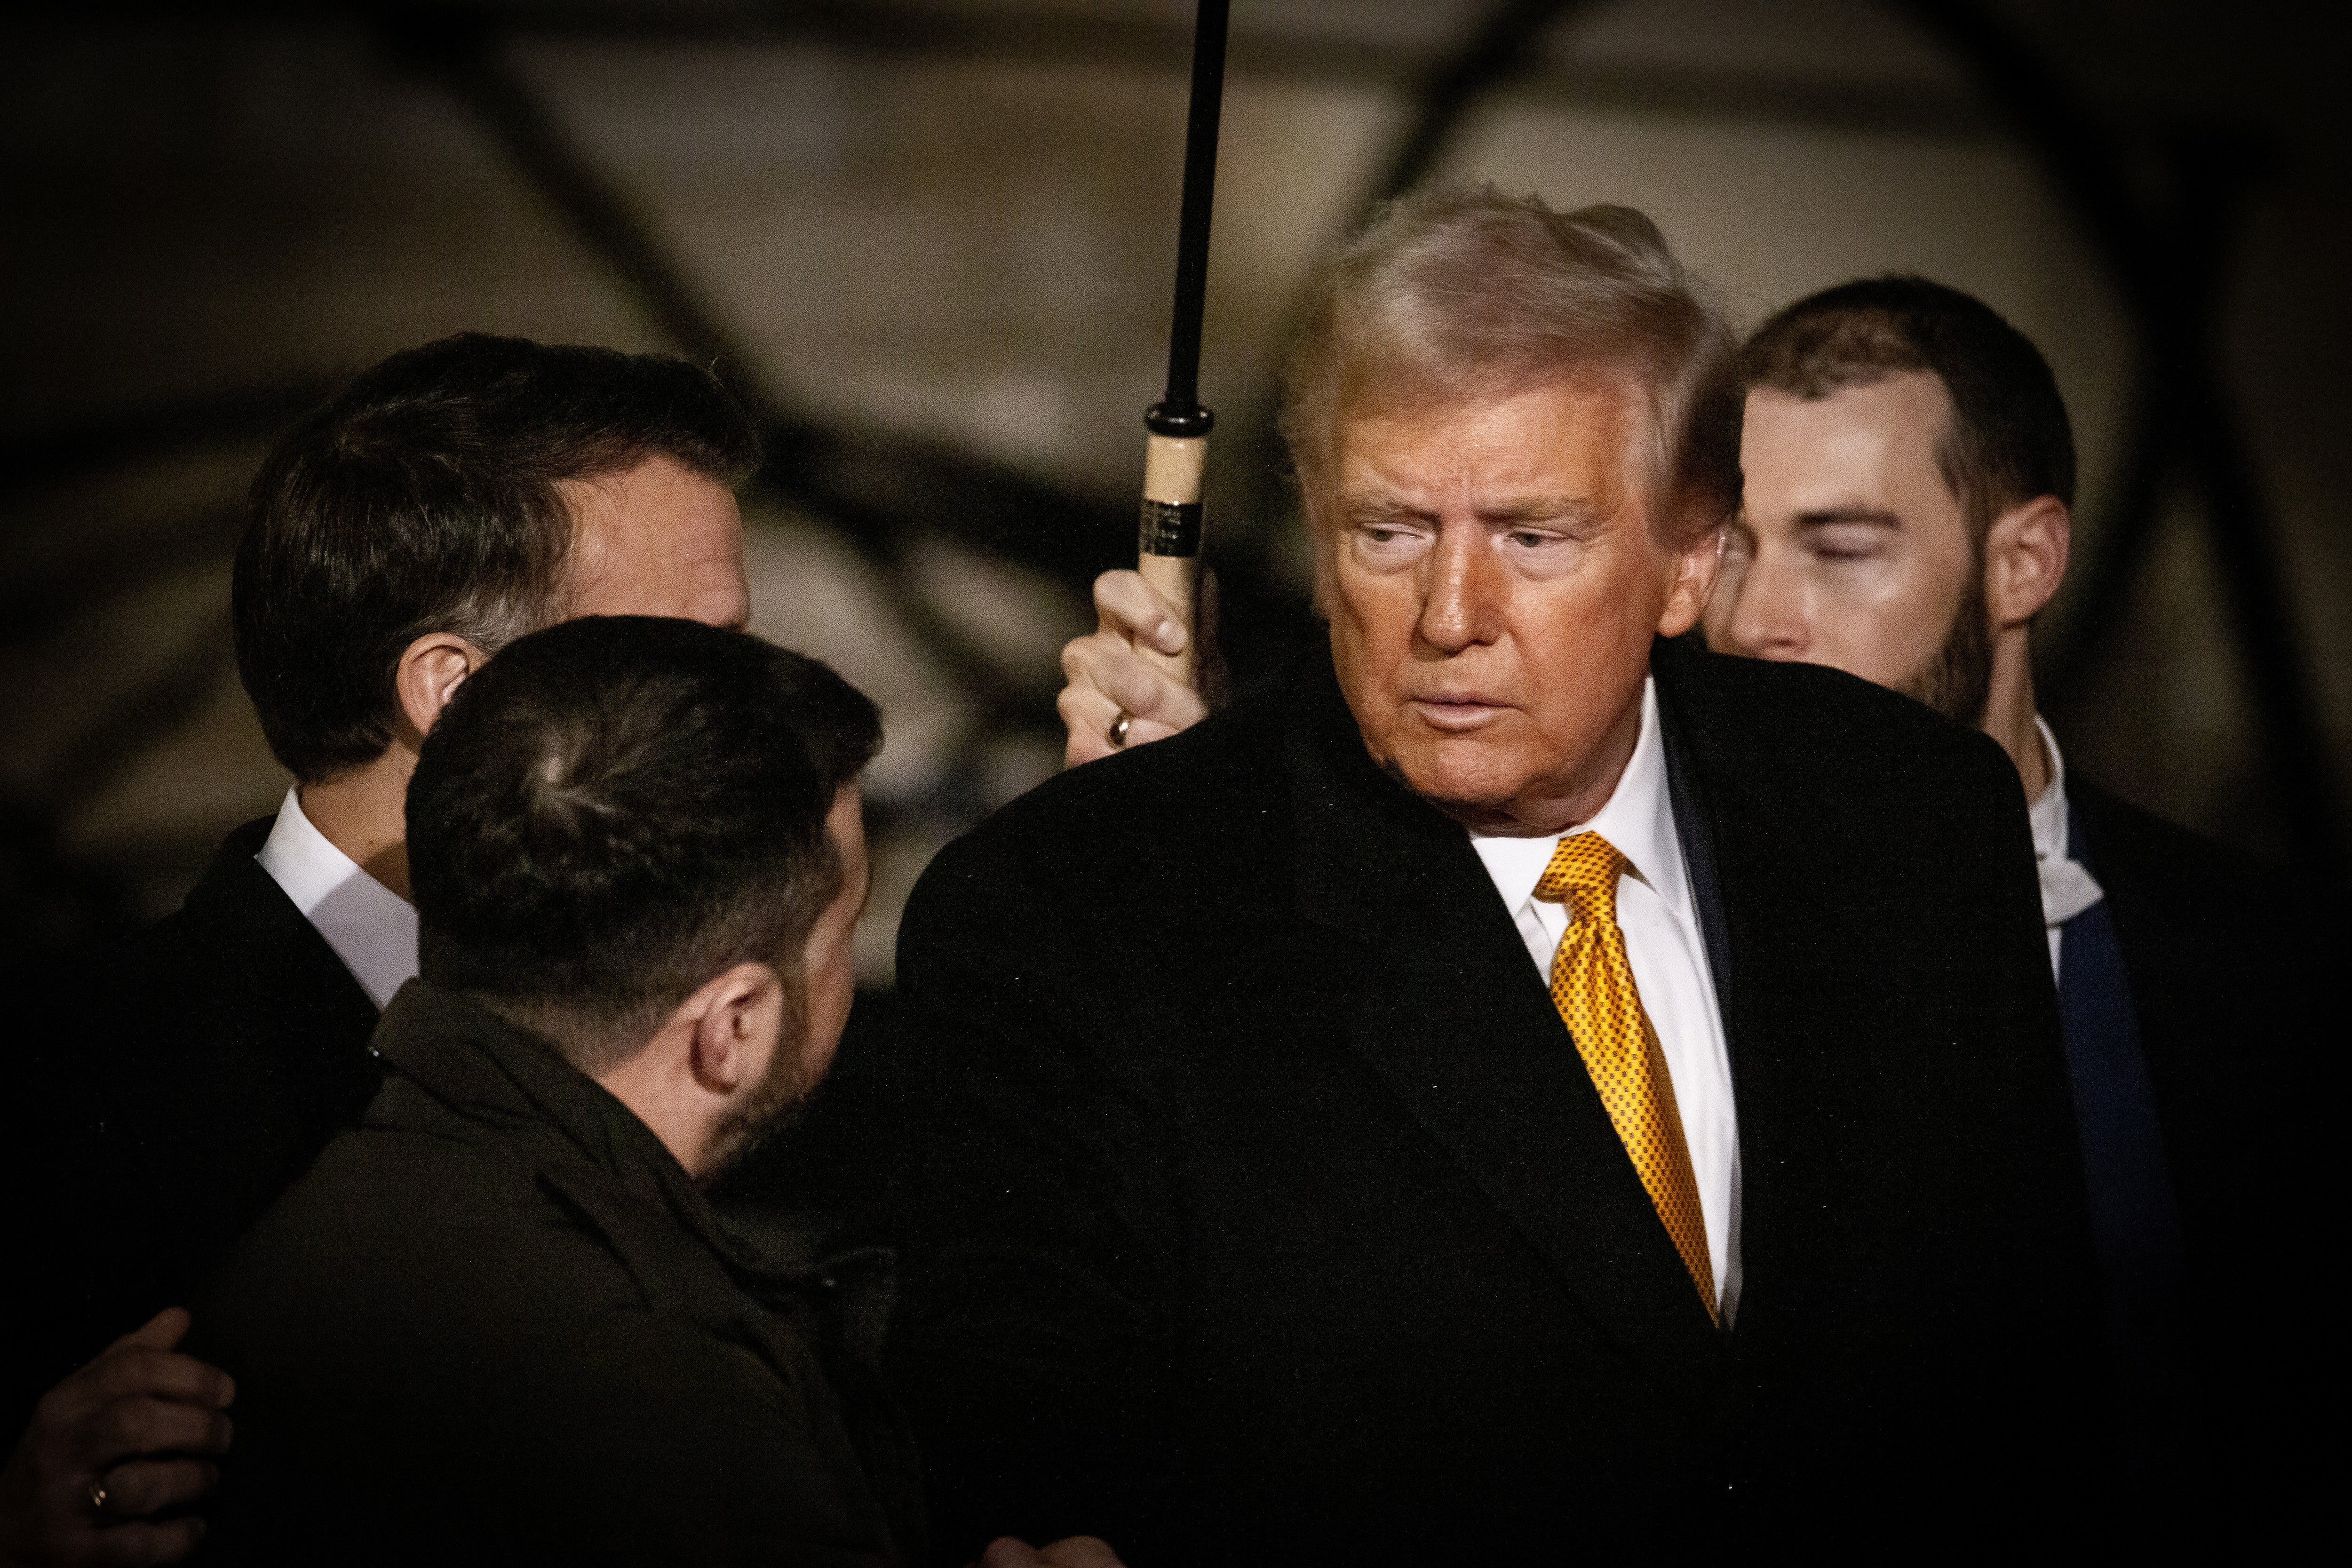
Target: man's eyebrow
x,y
1828,516
1529,508
1380,509
1543,509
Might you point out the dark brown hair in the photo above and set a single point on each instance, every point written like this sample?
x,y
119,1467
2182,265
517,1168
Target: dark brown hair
x,y
423,498
618,808
2008,442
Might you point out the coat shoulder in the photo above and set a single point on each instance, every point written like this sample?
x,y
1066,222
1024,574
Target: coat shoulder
x,y
1157,811
238,956
346,1233
1805,702
2155,871
1827,736
2128,841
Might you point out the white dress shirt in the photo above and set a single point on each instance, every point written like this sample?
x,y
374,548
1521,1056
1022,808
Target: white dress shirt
x,y
2067,888
371,929
1670,968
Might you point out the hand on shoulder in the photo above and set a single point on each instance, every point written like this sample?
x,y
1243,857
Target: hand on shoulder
x,y
131,1436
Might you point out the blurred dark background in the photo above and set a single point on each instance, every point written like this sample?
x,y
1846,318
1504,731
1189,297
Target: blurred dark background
x,y
930,241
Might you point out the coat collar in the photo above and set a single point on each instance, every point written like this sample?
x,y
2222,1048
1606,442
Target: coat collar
x,y
517,1090
1695,820
486,1077
257,941
508,1085
1447,1009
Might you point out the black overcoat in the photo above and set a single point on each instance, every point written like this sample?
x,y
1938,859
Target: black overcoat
x,y
1257,1205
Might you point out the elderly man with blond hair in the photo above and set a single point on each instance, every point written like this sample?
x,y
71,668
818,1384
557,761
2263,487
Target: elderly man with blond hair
x,y
1517,1084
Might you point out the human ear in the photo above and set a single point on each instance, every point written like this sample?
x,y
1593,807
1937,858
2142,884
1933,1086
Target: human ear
x,y
738,1016
1694,567
429,672
2025,559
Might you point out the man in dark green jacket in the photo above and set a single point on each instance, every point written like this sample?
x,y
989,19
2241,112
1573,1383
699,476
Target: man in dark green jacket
x,y
498,1320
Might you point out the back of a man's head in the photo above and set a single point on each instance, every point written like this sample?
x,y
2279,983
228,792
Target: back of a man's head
x,y
1456,294
618,808
425,498
2009,440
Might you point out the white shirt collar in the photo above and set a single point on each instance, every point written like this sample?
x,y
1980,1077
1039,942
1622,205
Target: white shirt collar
x,y
371,929
2067,886
1638,819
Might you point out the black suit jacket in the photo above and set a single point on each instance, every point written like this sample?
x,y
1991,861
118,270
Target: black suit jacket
x,y
1258,1205
2226,959
239,1045
496,1322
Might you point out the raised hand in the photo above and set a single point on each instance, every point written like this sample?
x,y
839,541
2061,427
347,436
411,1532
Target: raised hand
x,y
1111,680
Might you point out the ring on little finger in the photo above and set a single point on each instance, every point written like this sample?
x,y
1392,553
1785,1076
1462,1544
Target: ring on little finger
x,y
98,1497
1118,732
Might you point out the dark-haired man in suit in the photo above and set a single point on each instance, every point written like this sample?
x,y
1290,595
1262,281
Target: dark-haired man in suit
x,y
1517,1086
450,499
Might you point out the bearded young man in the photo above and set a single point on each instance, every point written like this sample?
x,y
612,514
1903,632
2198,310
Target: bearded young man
x,y
1517,1085
1909,480
498,1322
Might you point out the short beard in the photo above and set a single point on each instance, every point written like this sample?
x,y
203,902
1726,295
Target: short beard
x,y
771,1108
1957,682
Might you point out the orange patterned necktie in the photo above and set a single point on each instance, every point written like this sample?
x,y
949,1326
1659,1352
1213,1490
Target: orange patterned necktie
x,y
1592,986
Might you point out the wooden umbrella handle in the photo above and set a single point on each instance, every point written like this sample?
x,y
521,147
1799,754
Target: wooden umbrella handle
x,y
1168,538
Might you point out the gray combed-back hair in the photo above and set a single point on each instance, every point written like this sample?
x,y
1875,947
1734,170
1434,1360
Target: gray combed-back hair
x,y
1457,292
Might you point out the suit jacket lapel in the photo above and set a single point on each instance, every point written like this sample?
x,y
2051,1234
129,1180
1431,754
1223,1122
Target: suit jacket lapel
x,y
1695,827
1725,894
1449,1011
1745,842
